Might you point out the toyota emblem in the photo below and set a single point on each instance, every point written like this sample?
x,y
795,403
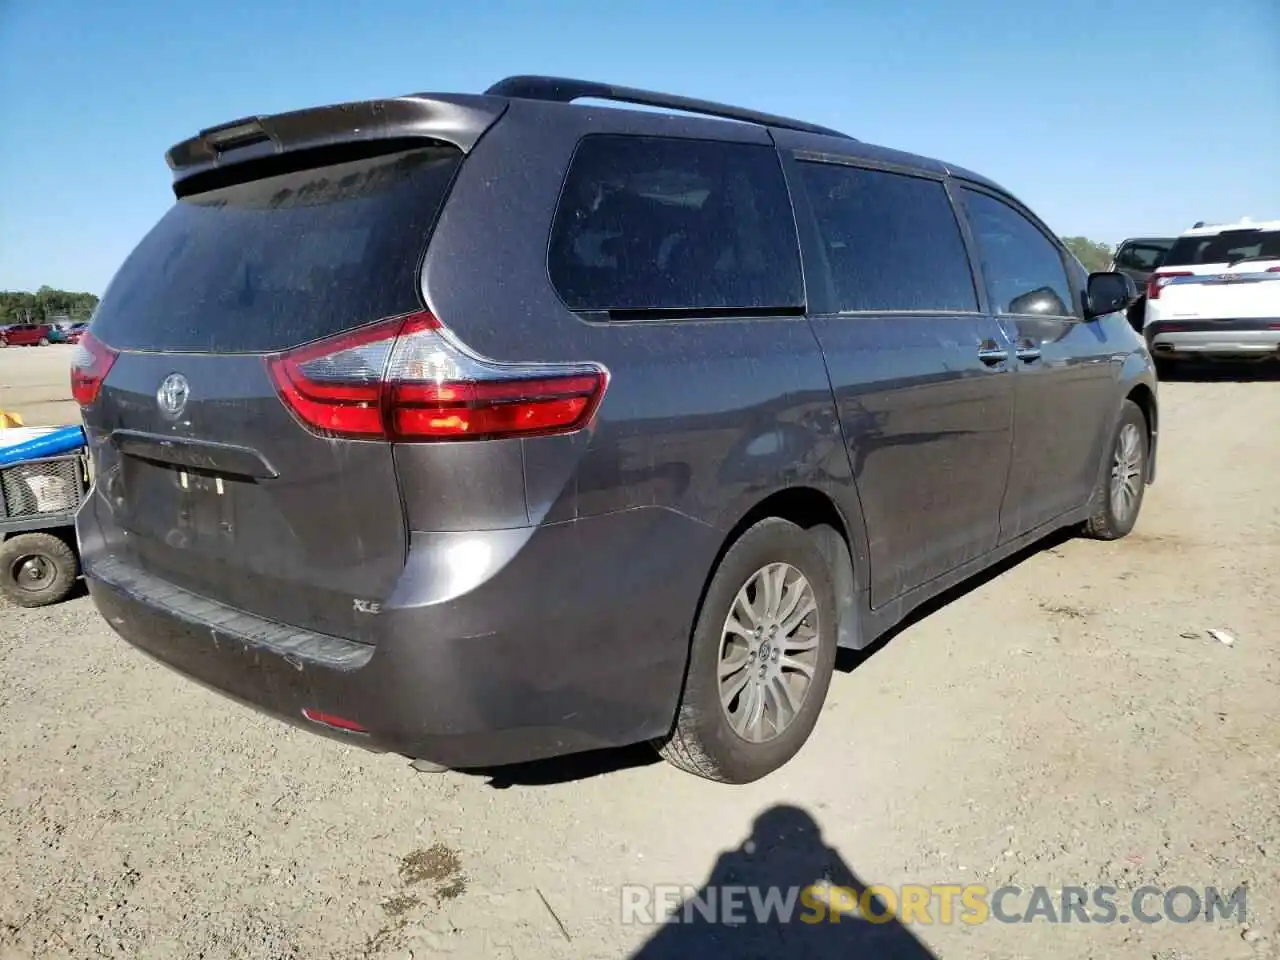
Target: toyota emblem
x,y
172,395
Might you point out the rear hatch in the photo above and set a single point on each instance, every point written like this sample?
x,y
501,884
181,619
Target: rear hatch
x,y
1232,275
209,480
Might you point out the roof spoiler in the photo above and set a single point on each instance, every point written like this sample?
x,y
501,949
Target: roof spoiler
x,y
456,119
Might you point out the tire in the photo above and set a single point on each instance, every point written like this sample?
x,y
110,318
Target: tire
x,y
1127,453
44,341
704,741
55,564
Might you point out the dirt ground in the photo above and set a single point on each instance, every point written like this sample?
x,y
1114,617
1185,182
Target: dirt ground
x,y
1068,721
35,381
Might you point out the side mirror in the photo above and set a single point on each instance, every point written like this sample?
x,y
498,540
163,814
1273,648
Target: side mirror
x,y
1109,293
1043,301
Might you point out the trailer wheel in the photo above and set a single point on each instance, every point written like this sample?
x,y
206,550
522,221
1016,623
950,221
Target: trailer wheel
x,y
37,569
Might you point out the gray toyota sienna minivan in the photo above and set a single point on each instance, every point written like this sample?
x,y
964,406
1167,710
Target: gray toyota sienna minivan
x,y
490,428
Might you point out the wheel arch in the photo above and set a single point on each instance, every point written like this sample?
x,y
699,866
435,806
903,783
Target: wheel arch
x,y
817,512
1145,399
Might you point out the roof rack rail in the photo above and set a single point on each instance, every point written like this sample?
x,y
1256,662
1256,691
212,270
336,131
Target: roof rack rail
x,y
566,90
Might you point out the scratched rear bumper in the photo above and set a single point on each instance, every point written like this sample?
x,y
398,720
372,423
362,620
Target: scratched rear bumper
x,y
541,660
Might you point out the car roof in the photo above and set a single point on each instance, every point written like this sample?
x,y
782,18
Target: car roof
x,y
463,118
1245,223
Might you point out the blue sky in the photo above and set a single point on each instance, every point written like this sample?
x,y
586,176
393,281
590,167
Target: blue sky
x,y
1109,118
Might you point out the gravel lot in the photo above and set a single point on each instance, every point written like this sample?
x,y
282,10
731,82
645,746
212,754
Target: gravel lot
x,y
1068,721
34,381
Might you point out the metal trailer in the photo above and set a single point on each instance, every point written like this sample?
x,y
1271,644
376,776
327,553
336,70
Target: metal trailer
x,y
39,564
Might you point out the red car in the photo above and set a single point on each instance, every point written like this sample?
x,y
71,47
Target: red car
x,y
25,335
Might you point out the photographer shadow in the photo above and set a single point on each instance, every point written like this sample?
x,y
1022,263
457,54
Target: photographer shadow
x,y
783,858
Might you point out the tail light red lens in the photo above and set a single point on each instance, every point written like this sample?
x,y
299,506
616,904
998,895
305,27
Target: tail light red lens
x,y
336,386
333,720
89,367
449,411
1157,281
408,380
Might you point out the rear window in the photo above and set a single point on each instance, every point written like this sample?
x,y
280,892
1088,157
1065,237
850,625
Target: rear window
x,y
661,224
280,261
892,241
1226,247
1144,255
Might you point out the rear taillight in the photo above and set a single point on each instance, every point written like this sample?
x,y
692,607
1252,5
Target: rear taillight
x,y
408,380
333,720
89,367
1157,281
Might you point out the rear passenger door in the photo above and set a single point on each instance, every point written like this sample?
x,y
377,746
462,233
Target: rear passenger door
x,y
1066,368
920,375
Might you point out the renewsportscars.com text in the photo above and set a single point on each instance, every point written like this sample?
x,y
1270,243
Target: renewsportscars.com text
x,y
930,904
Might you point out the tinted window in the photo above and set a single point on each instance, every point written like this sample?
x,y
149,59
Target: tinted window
x,y
1023,269
892,241
657,223
1226,247
280,261
1140,256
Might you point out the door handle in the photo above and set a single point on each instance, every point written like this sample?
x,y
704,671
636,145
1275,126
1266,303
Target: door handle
x,y
991,353
1027,351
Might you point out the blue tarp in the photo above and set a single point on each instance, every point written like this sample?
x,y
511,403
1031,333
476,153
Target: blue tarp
x,y
45,443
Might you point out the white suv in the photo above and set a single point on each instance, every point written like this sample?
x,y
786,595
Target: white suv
x,y
1217,294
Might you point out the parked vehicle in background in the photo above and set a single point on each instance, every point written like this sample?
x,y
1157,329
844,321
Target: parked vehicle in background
x,y
68,332
1217,294
746,392
1137,258
25,335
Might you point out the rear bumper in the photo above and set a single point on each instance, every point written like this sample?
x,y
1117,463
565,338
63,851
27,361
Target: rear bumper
x,y
1228,338
546,656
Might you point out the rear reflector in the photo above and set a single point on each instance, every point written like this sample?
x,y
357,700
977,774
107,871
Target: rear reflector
x,y
89,367
407,380
333,720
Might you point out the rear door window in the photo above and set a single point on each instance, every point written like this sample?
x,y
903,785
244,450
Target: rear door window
x,y
657,224
892,241
1023,269
280,261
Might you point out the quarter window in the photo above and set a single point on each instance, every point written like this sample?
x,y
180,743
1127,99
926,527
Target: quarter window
x,y
1023,269
664,224
891,240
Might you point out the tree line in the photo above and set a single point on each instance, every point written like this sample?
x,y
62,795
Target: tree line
x,y
43,305
1093,255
